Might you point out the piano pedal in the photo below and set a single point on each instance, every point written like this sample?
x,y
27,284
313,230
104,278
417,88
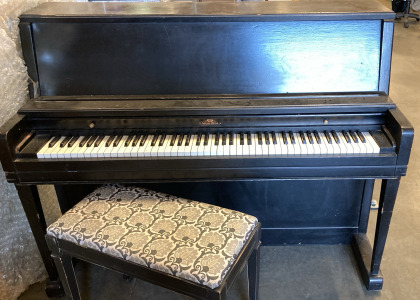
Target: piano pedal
x,y
374,204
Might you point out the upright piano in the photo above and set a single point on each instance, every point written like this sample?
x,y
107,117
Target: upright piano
x,y
277,109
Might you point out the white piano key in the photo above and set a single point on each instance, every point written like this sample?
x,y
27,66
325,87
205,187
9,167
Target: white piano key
x,y
246,148
146,146
302,145
374,146
165,149
264,145
193,147
64,152
220,146
338,148
346,147
207,148
119,149
97,151
296,145
258,147
135,149
147,149
84,150
52,152
327,147
239,147
252,142
310,146
315,146
103,150
363,147
125,151
42,152
356,146
289,145
273,149
89,150
71,152
155,149
200,151
173,152
184,150
111,150
213,148
79,152
281,144
232,148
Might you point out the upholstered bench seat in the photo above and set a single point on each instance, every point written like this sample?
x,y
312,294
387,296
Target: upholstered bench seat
x,y
187,239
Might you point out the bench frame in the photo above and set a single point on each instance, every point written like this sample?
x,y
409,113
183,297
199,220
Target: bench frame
x,y
63,251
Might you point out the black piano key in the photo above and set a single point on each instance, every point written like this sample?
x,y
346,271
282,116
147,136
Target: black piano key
x,y
328,137
128,140
230,138
361,136
335,136
241,138
109,141
249,138
84,141
284,137
162,140
216,139
117,140
72,141
198,141
136,139
302,137
54,141
317,137
143,140
274,138
267,138
91,140
292,138
346,136
65,141
154,140
99,140
224,138
181,138
259,135
310,138
187,140
353,136
206,139
173,139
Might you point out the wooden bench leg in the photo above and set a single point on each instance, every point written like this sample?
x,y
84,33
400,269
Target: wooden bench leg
x,y
67,275
254,273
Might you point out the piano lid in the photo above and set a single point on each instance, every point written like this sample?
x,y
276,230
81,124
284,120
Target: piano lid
x,y
305,10
82,49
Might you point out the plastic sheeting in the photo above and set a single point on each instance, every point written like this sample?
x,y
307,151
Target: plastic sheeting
x,y
20,262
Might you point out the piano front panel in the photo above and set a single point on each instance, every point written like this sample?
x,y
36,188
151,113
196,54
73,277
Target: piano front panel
x,y
225,56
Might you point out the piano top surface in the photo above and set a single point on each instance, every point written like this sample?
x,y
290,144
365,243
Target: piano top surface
x,y
355,9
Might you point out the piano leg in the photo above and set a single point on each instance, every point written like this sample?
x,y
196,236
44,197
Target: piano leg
x,y
31,203
369,260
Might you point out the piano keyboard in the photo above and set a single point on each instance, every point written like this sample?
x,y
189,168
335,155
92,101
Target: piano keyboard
x,y
216,144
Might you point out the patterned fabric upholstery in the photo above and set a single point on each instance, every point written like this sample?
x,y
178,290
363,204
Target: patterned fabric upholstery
x,y
188,239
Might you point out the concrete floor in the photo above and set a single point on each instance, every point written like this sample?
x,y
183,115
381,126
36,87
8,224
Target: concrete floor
x,y
319,272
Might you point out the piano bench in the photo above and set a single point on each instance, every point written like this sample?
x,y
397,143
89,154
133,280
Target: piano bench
x,y
186,246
